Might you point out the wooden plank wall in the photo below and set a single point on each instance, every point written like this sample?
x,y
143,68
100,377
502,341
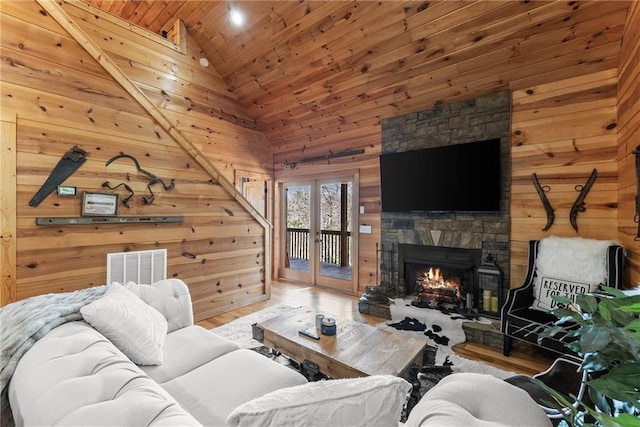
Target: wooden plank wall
x,y
562,131
62,97
628,140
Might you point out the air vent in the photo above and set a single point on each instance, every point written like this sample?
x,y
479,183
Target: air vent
x,y
144,267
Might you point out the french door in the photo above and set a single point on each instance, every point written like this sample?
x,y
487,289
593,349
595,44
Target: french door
x,y
317,234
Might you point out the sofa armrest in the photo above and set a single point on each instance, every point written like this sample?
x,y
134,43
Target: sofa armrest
x,y
171,298
517,298
520,297
470,399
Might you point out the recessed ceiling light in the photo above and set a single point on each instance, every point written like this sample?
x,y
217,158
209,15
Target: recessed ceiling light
x,y
204,62
236,17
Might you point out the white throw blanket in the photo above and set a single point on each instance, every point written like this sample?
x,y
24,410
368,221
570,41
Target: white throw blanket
x,y
24,322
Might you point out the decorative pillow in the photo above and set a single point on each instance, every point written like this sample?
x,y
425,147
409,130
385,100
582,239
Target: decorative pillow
x,y
568,266
170,297
374,400
133,326
549,287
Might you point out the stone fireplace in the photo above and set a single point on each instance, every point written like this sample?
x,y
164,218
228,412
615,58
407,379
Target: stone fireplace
x,y
460,239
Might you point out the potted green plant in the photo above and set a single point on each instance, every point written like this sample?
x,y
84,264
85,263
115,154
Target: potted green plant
x,y
604,330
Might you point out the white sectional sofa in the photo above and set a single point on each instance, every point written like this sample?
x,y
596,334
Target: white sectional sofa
x,y
75,376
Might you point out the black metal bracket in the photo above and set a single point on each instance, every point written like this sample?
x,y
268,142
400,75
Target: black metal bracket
x,y
311,371
153,179
545,201
293,165
125,201
579,204
257,333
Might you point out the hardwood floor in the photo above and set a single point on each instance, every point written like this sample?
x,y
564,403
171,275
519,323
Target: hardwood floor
x,y
524,359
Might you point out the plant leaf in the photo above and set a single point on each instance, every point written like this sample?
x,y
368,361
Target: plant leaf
x,y
613,291
593,362
614,389
565,315
605,312
622,420
550,332
562,299
631,308
594,338
633,325
587,303
626,373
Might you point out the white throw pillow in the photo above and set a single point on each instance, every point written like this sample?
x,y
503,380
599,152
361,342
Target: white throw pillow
x,y
136,328
568,266
371,401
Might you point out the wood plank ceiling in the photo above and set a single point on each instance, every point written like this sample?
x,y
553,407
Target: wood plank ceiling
x,y
318,76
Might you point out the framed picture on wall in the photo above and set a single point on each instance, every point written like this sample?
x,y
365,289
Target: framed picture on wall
x,y
99,204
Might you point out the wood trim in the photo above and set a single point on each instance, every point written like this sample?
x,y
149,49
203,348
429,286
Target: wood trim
x,y
238,173
180,38
178,34
8,228
280,220
74,30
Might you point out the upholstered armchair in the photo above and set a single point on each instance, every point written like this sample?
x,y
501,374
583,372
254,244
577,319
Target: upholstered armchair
x,y
564,376
564,266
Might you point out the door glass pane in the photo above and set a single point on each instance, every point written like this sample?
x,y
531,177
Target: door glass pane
x,y
335,230
298,214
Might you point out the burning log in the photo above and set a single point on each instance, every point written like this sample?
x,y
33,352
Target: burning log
x,y
433,289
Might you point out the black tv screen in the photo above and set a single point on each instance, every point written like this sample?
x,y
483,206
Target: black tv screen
x,y
461,177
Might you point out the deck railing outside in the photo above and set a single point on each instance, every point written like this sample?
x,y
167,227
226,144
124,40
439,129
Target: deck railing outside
x,y
333,249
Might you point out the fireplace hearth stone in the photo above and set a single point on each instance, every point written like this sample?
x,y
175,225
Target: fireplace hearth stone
x,y
375,300
482,333
374,309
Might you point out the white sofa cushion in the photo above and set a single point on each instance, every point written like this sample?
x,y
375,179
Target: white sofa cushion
x,y
135,327
212,391
476,400
75,376
187,349
369,401
170,297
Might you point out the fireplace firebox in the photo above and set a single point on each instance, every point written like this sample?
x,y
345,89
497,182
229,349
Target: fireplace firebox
x,y
438,285
436,275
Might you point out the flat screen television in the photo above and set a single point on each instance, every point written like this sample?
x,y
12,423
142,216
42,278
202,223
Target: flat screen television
x,y
461,177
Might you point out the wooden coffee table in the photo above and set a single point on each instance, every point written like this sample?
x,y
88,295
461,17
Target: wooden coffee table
x,y
356,350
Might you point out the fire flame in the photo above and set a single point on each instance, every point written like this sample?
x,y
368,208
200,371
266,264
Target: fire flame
x,y
435,275
434,279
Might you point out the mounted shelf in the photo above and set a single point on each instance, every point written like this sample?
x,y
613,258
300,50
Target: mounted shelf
x,y
108,220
